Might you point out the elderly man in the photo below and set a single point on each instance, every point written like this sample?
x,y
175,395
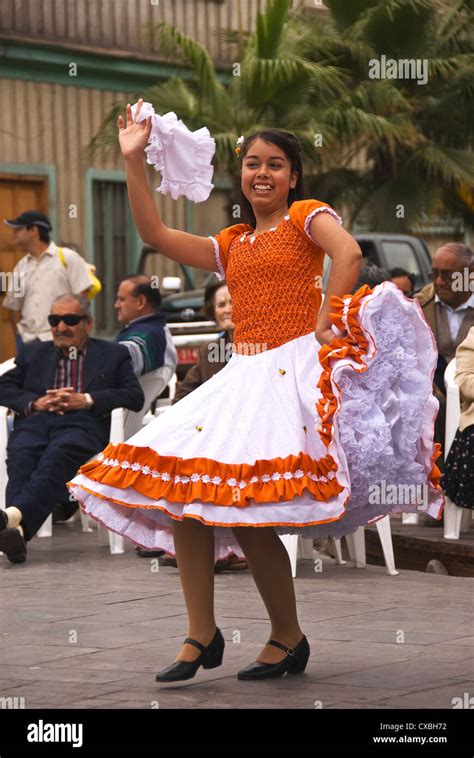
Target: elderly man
x,y
63,393
45,272
448,306
144,332
448,302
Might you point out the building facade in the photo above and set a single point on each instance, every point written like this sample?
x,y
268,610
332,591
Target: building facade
x,y
63,65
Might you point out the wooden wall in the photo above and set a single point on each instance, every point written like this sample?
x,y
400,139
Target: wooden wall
x,y
120,24
65,119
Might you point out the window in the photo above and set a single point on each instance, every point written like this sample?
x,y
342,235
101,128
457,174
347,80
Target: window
x,y
111,236
401,255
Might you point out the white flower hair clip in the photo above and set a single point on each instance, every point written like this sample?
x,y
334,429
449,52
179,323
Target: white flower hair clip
x,y
239,144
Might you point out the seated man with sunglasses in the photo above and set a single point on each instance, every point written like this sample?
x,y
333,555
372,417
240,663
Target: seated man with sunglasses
x,y
63,393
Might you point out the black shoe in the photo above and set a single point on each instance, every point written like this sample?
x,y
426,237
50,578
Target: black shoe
x,y
210,658
294,663
167,560
63,513
3,520
13,545
144,553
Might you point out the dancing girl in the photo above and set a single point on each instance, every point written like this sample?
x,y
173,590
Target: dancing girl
x,y
321,402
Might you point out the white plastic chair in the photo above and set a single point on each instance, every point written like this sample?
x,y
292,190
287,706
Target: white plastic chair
x,y
297,547
163,404
456,520
4,367
300,547
124,424
356,546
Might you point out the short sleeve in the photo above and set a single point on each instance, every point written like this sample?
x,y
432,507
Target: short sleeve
x,y
302,213
222,242
77,271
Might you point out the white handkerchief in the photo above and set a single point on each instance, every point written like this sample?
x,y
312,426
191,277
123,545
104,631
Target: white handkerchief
x,y
182,157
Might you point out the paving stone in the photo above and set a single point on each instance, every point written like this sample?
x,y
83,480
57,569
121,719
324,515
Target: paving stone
x,y
130,622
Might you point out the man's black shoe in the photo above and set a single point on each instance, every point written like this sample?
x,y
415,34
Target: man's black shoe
x,y
13,545
144,553
3,520
63,512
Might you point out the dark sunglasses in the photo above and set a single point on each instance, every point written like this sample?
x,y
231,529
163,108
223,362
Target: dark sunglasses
x,y
70,319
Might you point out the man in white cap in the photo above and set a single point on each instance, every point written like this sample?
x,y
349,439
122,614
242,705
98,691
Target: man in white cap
x,y
44,273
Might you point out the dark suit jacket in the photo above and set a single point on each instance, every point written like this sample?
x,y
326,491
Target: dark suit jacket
x,y
108,378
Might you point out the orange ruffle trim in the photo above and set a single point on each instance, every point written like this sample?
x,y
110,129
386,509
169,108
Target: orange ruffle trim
x,y
435,474
352,345
159,476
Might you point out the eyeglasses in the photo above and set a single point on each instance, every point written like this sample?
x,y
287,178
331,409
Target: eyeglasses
x,y
443,273
70,319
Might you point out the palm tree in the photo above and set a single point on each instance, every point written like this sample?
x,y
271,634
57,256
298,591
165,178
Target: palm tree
x,y
415,139
371,145
272,85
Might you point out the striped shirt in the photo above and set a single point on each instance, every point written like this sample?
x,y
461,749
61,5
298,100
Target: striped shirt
x,y
69,372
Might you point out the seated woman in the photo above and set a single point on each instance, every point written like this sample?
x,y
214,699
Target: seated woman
x,y
213,356
458,477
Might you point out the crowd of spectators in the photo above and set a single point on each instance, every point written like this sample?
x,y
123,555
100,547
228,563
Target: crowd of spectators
x,y
65,383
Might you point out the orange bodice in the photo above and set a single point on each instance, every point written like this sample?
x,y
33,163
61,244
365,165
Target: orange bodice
x,y
274,279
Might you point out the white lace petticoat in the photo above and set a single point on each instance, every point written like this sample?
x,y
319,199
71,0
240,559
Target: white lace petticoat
x,y
310,441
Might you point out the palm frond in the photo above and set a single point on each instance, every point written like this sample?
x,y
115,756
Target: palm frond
x,y
269,33
173,95
449,166
106,137
173,41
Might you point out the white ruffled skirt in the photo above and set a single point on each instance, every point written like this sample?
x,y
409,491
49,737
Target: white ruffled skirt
x,y
307,440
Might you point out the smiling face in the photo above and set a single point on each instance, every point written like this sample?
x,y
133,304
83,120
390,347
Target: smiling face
x,y
223,308
447,267
267,177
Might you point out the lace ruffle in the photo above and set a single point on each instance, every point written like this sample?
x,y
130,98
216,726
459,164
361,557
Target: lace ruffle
x,y
182,157
321,209
220,273
378,401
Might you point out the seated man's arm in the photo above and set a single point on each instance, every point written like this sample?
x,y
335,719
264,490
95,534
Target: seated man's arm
x,y
12,394
136,356
127,393
147,350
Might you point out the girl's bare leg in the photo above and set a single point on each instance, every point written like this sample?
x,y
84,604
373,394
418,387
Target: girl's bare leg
x,y
194,547
270,566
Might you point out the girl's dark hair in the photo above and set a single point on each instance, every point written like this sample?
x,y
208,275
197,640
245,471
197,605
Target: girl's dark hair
x,y
291,146
209,299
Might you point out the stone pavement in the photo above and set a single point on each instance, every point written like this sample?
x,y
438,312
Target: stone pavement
x,y
81,628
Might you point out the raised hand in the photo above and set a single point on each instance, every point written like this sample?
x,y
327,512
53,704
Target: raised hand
x,y
134,136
